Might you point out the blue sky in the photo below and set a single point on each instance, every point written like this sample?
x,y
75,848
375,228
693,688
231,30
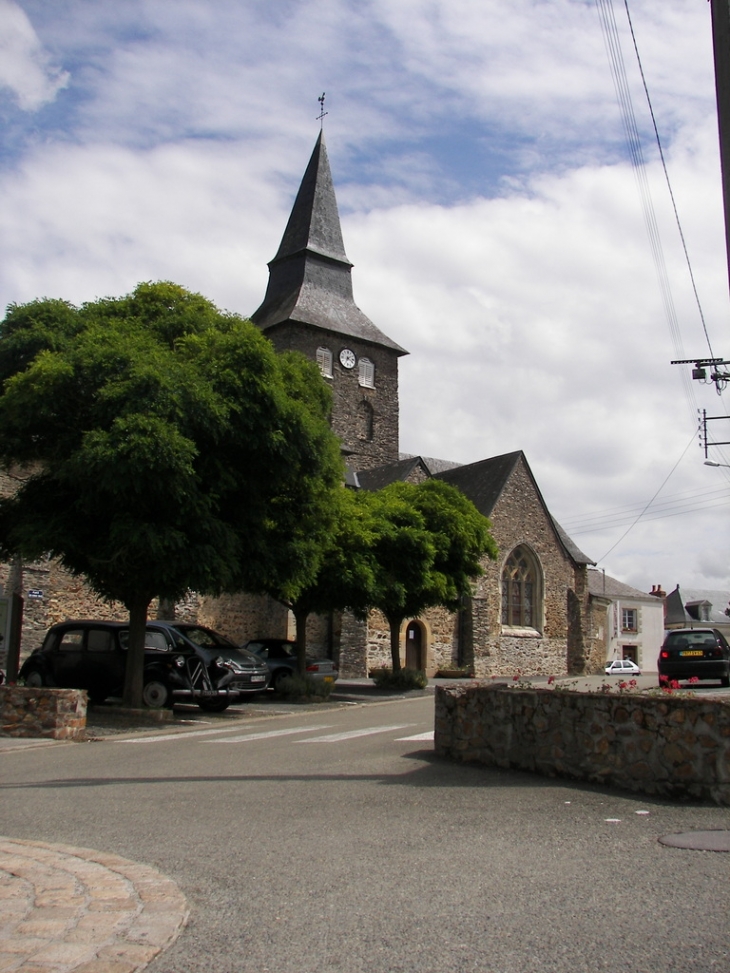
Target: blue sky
x,y
487,203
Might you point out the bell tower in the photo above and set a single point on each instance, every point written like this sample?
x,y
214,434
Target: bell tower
x,y
309,307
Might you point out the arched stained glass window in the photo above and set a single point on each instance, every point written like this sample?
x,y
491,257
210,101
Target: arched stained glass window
x,y
520,589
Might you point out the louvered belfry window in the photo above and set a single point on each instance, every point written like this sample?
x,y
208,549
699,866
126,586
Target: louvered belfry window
x,y
519,588
324,360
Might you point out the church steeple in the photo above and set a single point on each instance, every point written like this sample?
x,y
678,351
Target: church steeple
x,y
314,224
310,279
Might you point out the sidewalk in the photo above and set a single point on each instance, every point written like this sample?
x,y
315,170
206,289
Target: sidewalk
x,y
71,909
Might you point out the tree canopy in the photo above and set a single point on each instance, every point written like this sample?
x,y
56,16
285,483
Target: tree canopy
x,y
402,550
427,548
169,447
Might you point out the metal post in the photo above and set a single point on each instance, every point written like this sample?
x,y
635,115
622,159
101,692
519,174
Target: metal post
x,y
721,45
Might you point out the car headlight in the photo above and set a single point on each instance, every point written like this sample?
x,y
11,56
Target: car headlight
x,y
179,661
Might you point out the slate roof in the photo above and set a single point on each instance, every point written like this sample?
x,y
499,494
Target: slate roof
x,y
433,465
481,482
484,480
604,586
675,612
383,476
310,277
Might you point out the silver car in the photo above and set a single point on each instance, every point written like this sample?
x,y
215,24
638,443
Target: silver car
x,y
280,656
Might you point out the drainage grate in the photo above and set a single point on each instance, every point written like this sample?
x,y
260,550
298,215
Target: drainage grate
x,y
717,840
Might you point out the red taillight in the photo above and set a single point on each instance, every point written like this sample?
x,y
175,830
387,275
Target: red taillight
x,y
664,654
313,668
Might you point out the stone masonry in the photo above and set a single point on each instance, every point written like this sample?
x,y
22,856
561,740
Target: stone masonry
x,y
672,745
56,713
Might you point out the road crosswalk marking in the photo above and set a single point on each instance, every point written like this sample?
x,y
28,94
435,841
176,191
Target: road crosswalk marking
x,y
353,734
269,734
183,736
224,734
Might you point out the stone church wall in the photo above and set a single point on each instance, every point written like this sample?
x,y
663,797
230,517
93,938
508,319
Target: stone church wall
x,y
519,517
365,420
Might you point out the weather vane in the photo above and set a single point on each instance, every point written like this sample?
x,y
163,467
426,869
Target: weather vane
x,y
322,112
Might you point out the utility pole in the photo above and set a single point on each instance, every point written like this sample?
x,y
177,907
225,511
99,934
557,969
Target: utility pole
x,y
721,46
720,12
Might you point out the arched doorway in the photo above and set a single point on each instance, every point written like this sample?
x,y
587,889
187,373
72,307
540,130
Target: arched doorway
x,y
414,646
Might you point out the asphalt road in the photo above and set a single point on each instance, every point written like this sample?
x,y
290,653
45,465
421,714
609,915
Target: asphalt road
x,y
331,839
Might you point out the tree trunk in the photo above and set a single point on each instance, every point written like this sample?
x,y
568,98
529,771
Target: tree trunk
x,y
166,609
134,673
395,624
300,621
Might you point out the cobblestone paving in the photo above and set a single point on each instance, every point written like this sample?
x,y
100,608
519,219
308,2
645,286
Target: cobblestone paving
x,y
66,909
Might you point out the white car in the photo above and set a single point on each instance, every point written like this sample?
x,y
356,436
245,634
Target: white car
x,y
622,667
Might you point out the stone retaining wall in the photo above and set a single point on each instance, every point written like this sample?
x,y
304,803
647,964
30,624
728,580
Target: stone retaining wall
x,y
676,746
56,713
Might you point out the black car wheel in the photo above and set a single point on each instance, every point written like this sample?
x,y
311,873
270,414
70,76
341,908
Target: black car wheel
x,y
279,676
214,705
34,679
155,694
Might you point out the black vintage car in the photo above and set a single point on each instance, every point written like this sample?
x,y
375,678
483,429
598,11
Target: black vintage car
x,y
695,653
91,655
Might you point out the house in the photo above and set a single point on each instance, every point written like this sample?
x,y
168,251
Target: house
x,y
626,622
694,607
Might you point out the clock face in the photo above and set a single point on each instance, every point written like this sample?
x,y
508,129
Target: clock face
x,y
348,358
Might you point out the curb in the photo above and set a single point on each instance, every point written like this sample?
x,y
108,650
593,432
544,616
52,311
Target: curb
x,y
74,910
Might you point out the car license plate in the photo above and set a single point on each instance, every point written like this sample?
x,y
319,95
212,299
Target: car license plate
x,y
258,678
328,679
687,652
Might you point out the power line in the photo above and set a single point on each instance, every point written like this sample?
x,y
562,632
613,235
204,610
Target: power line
x,y
664,482
661,515
614,517
633,141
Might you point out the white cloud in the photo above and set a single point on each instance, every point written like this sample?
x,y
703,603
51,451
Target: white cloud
x,y
25,67
527,298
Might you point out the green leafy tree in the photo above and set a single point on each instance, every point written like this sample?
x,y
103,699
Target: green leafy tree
x,y
426,552
342,575
165,448
402,550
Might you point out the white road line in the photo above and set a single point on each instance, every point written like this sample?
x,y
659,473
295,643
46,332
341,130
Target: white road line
x,y
202,733
419,736
352,734
244,738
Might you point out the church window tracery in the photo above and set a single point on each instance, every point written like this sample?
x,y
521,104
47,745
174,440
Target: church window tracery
x,y
521,587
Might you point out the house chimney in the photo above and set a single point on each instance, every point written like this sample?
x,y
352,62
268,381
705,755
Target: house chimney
x,y
656,590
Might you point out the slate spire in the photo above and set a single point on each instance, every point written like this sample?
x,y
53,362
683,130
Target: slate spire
x,y
314,224
310,279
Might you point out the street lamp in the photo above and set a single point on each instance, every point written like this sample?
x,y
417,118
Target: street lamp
x,y
709,462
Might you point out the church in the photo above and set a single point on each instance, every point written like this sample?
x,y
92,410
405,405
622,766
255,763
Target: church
x,y
530,612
